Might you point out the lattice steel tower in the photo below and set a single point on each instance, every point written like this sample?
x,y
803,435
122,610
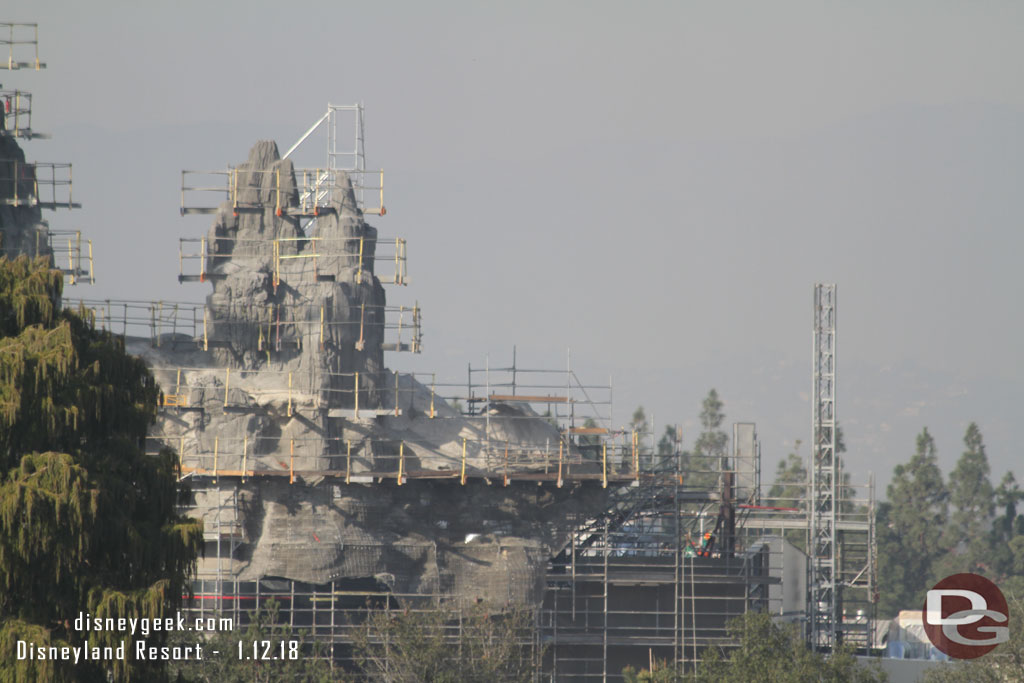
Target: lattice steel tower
x,y
823,585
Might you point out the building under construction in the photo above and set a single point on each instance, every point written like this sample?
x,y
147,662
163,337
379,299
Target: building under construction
x,y
334,483
27,188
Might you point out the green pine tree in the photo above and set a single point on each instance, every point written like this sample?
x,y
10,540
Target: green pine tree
x,y
972,502
87,520
709,451
670,441
1006,539
910,528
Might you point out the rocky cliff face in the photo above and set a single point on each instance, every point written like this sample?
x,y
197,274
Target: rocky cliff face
x,y
293,432
22,229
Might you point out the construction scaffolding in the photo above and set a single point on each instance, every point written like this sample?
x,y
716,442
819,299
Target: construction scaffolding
x,y
307,196
198,256
70,253
339,487
30,186
656,578
72,256
277,326
16,115
202,192
22,41
823,624
43,185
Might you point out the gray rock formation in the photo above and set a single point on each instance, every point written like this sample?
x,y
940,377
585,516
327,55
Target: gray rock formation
x,y
293,432
22,228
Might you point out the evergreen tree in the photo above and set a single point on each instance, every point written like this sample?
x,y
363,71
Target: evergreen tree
x,y
790,486
590,442
1007,535
709,451
670,441
87,520
776,653
909,528
638,423
790,490
972,501
639,428
712,441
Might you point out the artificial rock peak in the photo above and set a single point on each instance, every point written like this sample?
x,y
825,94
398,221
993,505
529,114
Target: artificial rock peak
x,y
266,273
281,457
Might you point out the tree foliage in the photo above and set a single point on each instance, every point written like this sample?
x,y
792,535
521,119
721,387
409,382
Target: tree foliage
x,y
790,490
766,652
310,665
972,503
776,653
478,645
712,441
87,520
929,529
670,441
709,450
910,528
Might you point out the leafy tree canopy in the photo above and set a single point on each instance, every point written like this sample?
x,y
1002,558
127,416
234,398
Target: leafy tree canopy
x,y
87,520
479,645
305,661
766,652
776,653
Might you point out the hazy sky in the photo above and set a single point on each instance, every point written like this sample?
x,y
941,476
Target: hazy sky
x,y
656,186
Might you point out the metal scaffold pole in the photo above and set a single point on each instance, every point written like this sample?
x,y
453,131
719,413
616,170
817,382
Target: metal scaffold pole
x,y
823,586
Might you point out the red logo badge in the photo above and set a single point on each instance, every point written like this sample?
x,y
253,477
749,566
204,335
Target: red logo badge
x,y
965,616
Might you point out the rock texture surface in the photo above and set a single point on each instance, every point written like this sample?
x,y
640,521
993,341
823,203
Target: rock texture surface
x,y
291,480
22,228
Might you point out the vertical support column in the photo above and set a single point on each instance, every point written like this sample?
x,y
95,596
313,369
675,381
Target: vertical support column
x,y
359,272
432,413
348,462
872,560
277,265
356,413
277,208
361,342
604,465
561,443
462,476
823,618
401,462
636,455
